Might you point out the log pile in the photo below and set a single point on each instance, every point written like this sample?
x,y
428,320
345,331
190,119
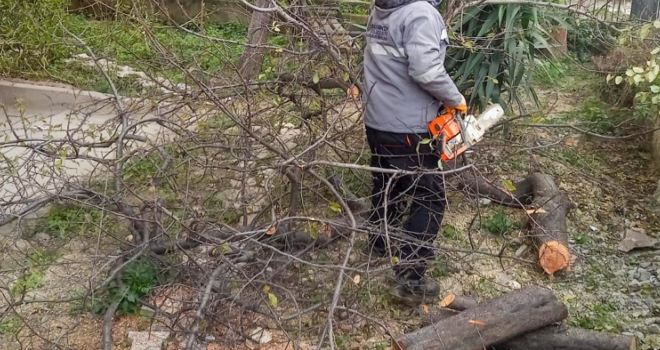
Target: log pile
x,y
520,320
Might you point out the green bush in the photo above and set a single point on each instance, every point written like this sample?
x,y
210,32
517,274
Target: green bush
x,y
588,38
137,280
495,51
31,36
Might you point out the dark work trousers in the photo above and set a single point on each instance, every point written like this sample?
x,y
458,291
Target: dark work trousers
x,y
426,209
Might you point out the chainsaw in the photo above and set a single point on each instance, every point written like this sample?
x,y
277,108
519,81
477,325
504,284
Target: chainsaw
x,y
457,133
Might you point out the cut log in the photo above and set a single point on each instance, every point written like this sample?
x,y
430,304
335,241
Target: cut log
x,y
458,303
546,338
547,223
491,322
562,338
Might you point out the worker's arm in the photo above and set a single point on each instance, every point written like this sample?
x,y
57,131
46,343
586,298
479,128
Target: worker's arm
x,y
425,43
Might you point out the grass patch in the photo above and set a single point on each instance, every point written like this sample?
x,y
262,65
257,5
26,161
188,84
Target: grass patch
x,y
597,116
597,317
68,220
10,325
35,44
572,158
500,224
32,278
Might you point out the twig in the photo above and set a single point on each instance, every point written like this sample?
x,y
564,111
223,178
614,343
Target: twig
x,y
202,305
108,319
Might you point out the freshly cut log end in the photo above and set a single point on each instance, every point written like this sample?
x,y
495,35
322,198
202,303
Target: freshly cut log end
x,y
447,300
554,256
457,303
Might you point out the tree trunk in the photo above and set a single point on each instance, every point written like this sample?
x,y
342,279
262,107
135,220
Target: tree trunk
x,y
646,10
489,323
253,56
547,223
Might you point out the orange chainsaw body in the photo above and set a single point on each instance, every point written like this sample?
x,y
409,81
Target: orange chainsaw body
x,y
444,128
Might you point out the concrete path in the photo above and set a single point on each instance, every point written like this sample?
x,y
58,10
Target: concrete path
x,y
46,131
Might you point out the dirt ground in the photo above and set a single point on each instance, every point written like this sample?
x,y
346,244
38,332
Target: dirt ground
x,y
609,181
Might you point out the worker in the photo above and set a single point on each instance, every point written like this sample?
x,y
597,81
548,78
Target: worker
x,y
405,84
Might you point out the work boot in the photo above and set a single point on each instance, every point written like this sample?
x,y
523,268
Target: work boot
x,y
417,291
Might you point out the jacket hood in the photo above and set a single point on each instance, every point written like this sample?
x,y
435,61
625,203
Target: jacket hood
x,y
392,4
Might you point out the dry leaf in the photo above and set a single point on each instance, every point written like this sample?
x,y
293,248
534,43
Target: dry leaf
x,y
425,308
327,230
266,288
271,230
353,92
356,279
476,322
152,189
536,211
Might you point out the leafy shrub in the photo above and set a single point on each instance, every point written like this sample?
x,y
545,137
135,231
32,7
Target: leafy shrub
x,y
646,80
496,51
588,38
137,280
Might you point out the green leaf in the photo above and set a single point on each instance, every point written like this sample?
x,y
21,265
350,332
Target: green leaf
x,y
336,207
655,89
272,299
440,164
346,76
609,77
651,75
638,70
488,24
656,24
316,78
644,32
655,51
424,141
618,80
509,185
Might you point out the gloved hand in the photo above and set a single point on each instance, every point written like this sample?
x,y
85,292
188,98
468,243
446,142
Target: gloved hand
x,y
462,106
